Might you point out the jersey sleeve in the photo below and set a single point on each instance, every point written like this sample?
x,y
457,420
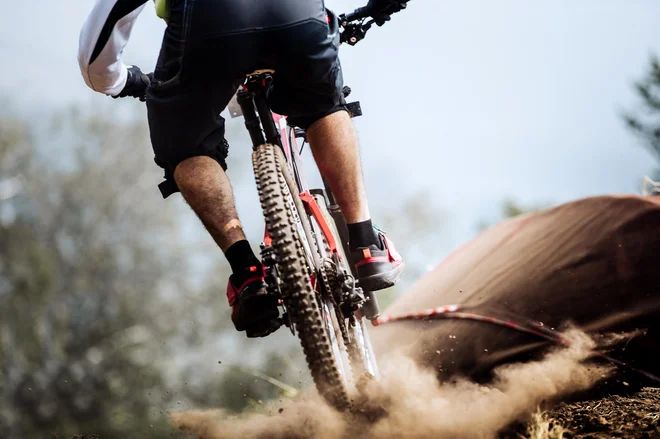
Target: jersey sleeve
x,y
103,37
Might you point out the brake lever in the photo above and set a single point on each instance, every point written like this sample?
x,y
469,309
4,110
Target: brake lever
x,y
354,32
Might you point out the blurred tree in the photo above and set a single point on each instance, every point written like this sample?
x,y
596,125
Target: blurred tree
x,y
100,304
511,208
80,272
416,225
646,122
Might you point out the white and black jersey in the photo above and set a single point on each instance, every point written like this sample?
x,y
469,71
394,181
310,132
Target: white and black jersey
x,y
106,30
103,37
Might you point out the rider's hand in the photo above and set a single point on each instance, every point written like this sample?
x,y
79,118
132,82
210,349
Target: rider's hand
x,y
381,10
136,84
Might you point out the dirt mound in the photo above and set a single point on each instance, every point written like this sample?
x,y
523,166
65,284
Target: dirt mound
x,y
592,263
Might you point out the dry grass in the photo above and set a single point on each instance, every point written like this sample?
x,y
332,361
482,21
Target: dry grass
x,y
540,428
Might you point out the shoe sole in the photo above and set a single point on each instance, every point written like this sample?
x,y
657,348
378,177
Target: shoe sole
x,y
263,328
264,320
381,281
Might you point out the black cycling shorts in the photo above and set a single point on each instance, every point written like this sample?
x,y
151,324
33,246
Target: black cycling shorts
x,y
210,46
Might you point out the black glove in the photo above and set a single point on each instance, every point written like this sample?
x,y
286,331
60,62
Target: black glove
x,y
136,84
381,10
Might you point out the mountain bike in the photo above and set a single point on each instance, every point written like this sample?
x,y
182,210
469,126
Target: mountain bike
x,y
305,246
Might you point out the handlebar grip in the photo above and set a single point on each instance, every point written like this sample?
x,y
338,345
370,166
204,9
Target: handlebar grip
x,y
357,14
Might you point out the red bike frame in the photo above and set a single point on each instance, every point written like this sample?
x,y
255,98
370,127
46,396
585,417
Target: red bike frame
x,y
289,145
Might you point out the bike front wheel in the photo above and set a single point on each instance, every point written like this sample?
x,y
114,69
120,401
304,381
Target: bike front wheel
x,y
279,195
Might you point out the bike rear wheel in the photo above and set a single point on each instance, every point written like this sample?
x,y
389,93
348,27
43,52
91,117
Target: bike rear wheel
x,y
280,202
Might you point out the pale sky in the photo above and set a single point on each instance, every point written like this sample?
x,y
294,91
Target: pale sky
x,y
474,101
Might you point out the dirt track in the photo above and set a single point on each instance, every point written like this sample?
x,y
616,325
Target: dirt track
x,y
636,416
629,417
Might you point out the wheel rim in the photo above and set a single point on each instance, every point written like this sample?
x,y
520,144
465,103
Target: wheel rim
x,y
328,317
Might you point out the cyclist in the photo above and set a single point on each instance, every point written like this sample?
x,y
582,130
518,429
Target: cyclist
x,y
209,46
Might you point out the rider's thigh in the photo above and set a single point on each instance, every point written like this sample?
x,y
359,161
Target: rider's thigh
x,y
308,81
184,103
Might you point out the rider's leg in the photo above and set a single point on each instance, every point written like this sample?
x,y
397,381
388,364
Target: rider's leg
x,y
334,145
206,188
309,89
335,148
185,100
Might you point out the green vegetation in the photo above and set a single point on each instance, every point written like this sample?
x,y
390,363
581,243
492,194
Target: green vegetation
x,y
646,121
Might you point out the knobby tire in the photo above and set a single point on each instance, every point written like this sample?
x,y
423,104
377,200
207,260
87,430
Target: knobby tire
x,y
271,174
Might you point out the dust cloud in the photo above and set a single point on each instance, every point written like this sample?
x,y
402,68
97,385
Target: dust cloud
x,y
410,402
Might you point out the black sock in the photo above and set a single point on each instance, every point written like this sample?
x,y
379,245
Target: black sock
x,y
241,258
362,234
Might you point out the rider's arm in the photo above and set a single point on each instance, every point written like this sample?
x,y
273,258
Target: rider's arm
x,y
103,37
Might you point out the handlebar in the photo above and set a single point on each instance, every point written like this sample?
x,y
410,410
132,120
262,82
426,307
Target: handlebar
x,y
355,27
357,14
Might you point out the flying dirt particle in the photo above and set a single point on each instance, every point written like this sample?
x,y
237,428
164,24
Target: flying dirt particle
x,y
219,362
280,410
625,383
485,350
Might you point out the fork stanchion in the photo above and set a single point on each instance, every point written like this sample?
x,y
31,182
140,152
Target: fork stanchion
x,y
246,101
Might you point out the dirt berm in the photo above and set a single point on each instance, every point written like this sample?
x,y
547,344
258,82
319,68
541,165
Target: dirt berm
x,y
592,263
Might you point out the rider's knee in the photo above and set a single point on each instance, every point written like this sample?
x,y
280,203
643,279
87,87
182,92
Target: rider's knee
x,y
176,165
305,122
